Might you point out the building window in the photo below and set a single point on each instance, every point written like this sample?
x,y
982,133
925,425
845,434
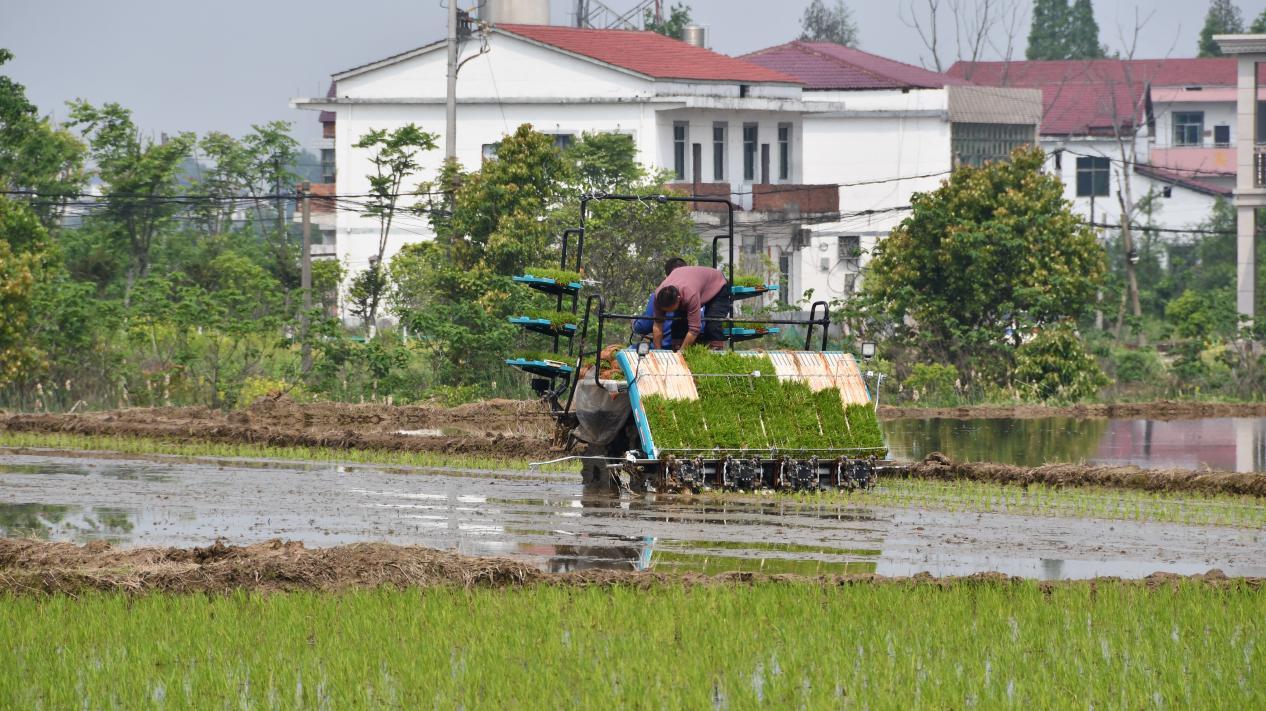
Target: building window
x,y
784,151
1188,128
979,143
750,138
784,279
718,151
489,150
563,141
1092,177
327,165
850,253
1222,136
679,150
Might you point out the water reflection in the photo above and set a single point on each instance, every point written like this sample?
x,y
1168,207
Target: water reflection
x,y
1232,444
41,520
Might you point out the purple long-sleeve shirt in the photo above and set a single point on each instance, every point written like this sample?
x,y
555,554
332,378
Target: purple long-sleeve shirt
x,y
697,286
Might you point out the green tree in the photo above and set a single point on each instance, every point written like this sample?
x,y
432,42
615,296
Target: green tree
x,y
35,157
672,26
395,159
1082,40
1048,35
455,292
626,243
823,23
1259,24
995,248
140,177
22,244
271,155
1223,18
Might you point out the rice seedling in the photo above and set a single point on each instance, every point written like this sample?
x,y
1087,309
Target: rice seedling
x,y
562,276
557,319
743,404
782,645
749,280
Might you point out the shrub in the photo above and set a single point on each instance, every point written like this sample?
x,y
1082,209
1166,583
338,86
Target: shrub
x,y
933,383
1137,366
1056,366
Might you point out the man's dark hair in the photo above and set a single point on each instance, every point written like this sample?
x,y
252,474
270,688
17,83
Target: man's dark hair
x,y
672,264
666,298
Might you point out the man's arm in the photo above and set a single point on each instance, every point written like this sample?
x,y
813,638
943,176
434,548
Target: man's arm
x,y
689,340
657,334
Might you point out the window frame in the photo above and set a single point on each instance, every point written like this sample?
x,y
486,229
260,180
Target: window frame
x,y
1093,169
1185,122
751,149
1226,128
784,151
681,136
720,145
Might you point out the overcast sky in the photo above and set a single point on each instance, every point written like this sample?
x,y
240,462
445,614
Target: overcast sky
x,y
223,65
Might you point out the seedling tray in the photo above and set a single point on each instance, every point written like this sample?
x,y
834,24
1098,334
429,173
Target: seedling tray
x,y
739,334
544,326
739,293
543,368
547,285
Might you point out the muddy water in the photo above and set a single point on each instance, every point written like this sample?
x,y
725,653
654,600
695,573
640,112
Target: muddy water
x,y
549,520
1228,444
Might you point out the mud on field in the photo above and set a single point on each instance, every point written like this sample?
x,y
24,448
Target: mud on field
x,y
503,428
41,567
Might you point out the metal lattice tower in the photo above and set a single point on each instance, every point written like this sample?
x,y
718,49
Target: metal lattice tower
x,y
595,14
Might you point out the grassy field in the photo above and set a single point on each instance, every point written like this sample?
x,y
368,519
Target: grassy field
x,y
784,645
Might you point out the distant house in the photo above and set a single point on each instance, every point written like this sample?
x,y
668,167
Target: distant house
x,y
720,125
899,130
1174,118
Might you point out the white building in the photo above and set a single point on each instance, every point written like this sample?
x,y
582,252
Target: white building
x,y
899,130
1166,126
723,126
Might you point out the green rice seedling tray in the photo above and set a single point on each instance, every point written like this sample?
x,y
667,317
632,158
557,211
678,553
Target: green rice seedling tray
x,y
544,326
738,293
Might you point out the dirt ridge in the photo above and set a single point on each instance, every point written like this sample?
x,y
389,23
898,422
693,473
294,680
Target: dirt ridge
x,y
937,466
33,567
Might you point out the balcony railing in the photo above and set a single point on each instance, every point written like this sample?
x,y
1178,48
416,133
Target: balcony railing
x,y
1259,166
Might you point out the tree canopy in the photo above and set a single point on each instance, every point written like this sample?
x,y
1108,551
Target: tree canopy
x,y
1063,32
994,250
833,23
1223,18
672,26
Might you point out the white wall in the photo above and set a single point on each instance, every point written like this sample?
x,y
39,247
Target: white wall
x,y
1184,208
1215,114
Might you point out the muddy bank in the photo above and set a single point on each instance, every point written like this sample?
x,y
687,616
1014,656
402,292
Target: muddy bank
x,y
30,566
1158,410
501,428
937,467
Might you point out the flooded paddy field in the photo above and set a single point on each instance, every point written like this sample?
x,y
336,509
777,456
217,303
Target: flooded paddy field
x,y
549,522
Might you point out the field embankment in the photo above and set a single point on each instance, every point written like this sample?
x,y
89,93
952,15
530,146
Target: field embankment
x,y
1155,410
29,566
500,428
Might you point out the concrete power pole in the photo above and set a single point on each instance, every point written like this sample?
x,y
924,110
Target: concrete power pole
x,y
450,132
305,275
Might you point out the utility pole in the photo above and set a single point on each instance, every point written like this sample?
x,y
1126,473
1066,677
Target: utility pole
x,y
305,275
450,133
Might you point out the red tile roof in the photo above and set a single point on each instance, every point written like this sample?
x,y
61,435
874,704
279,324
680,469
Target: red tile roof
x,y
1082,97
650,54
1186,181
825,65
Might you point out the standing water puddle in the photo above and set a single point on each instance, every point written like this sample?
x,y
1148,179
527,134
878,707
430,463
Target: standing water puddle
x,y
1228,444
550,521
